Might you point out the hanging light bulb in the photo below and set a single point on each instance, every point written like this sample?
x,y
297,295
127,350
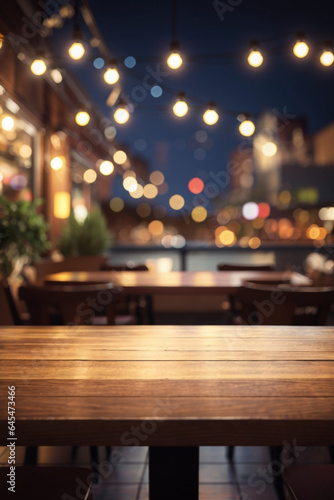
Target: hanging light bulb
x,y
246,127
121,114
38,66
180,107
76,50
327,57
300,49
210,116
111,75
174,59
255,58
82,117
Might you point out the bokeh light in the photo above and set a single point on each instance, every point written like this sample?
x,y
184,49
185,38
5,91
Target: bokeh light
x,y
196,185
156,227
116,204
90,176
250,210
120,157
150,191
157,177
199,214
176,202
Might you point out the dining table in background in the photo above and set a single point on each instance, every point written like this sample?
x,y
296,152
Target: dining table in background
x,y
172,388
150,284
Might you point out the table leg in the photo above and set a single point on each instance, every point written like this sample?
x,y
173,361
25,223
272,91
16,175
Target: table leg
x,y
173,473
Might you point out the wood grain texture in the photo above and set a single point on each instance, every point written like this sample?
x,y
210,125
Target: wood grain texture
x,y
190,282
177,385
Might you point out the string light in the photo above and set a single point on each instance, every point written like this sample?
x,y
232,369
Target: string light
x,y
106,167
7,123
121,114
327,57
300,48
210,116
38,66
82,118
76,50
255,57
180,107
57,162
111,75
246,127
174,60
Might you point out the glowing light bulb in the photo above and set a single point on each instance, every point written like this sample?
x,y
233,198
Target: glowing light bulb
x,y
38,67
57,162
300,48
7,123
76,51
121,115
327,57
111,75
106,167
174,60
82,118
180,107
247,128
269,149
210,116
255,58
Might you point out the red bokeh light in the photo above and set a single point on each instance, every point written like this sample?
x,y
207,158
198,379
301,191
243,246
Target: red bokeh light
x,y
264,210
196,185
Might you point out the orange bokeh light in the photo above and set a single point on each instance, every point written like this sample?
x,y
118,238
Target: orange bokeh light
x,y
264,210
196,185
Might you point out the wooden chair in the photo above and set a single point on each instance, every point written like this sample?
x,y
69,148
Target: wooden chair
x,y
133,304
235,267
124,267
309,482
51,483
8,312
43,267
70,304
284,304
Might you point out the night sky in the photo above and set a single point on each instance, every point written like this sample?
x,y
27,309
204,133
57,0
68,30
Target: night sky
x,y
143,30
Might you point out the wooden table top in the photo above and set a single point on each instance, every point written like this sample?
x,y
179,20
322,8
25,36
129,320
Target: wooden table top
x,y
146,282
179,385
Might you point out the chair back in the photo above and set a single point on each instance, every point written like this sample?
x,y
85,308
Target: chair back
x,y
8,311
70,304
124,267
43,267
234,267
284,304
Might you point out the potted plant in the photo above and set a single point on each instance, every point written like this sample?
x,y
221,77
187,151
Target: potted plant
x,y
90,237
23,235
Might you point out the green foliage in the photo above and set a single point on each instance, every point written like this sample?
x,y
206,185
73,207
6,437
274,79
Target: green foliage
x,y
88,238
23,233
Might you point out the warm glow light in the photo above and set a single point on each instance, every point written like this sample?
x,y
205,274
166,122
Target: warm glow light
x,y
227,238
106,167
1,40
150,191
120,157
180,107
38,67
254,243
250,210
82,118
90,176
80,212
56,75
121,115
111,76
130,183
269,149
116,204
196,185
210,116
247,128
313,232
76,50
157,177
176,202
300,49
255,58
264,210
25,151
57,162
327,58
138,192
7,123
156,227
284,197
62,205
174,60
199,214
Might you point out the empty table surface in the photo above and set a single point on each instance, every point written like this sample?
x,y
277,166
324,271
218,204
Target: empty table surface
x,y
182,385
147,282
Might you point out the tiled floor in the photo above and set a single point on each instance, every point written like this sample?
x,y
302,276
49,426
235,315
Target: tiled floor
x,y
127,478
